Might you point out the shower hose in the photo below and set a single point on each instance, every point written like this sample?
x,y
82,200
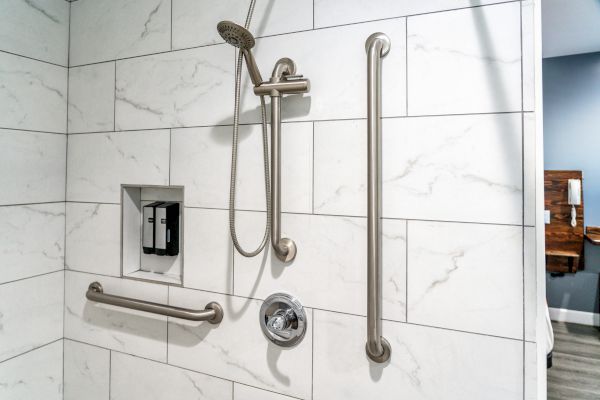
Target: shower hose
x,y
234,156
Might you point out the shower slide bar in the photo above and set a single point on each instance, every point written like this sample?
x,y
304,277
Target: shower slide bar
x,y
378,349
212,313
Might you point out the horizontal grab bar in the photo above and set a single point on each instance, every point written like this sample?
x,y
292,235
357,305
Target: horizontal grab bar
x,y
212,313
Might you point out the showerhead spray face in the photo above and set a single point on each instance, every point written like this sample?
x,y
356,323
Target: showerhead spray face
x,y
240,37
236,35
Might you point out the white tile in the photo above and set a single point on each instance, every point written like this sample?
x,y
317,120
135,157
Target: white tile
x,y
243,392
341,167
531,370
338,85
251,359
457,168
99,163
92,98
195,22
36,162
31,240
116,328
201,161
529,168
462,168
134,378
31,314
528,37
86,372
465,61
426,363
467,277
34,375
93,238
530,283
182,88
33,95
208,250
337,12
103,30
334,249
35,28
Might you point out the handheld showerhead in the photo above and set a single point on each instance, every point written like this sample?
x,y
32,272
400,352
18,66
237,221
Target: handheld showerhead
x,y
240,37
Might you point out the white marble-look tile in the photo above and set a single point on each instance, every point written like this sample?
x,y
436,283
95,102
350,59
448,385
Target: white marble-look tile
x,y
334,249
426,363
116,328
31,240
92,98
529,168
236,348
338,12
34,375
335,61
441,168
33,95
31,314
183,88
208,250
87,370
465,61
341,170
35,28
467,277
93,238
458,168
36,162
528,38
531,371
99,163
195,22
134,378
243,392
201,161
103,30
530,283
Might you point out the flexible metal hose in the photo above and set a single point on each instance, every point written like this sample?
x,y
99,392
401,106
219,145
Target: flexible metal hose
x,y
234,156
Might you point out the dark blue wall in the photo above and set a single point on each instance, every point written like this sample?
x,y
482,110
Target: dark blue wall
x,y
572,141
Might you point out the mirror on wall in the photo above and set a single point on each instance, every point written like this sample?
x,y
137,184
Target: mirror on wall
x,y
571,102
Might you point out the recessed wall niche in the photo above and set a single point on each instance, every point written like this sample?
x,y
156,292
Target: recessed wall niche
x,y
157,258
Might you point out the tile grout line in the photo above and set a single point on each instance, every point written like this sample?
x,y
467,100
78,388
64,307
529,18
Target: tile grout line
x,y
316,121
64,308
406,276
312,358
33,277
523,294
32,350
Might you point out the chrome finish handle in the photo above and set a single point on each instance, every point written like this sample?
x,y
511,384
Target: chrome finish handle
x,y
283,319
378,349
212,313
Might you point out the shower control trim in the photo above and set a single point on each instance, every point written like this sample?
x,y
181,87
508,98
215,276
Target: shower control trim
x,y
283,319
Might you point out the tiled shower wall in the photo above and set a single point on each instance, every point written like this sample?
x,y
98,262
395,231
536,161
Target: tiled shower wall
x,y
150,102
33,124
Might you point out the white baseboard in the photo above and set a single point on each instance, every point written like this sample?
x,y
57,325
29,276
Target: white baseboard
x,y
575,317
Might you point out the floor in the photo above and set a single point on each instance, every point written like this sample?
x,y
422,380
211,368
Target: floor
x,y
575,374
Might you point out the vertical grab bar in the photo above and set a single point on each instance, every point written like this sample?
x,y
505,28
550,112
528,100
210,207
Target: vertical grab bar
x,y
378,349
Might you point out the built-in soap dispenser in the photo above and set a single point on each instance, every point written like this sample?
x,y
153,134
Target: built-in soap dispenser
x,y
148,223
166,229
152,233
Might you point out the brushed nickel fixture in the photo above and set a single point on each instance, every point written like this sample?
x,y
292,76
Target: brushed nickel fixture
x,y
212,313
283,81
378,349
283,320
